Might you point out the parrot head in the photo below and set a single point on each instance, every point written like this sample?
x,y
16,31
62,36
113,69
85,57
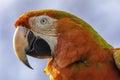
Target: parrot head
x,y
53,34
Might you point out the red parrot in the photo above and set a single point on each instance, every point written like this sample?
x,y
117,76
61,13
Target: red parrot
x,y
75,51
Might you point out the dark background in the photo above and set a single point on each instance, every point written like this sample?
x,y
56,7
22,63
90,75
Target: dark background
x,y
103,15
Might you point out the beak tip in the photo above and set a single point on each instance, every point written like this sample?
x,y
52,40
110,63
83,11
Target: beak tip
x,y
29,67
27,64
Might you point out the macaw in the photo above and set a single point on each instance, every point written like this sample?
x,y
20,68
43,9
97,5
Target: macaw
x,y
75,51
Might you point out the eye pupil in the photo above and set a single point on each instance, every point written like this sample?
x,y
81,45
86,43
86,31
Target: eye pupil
x,y
43,21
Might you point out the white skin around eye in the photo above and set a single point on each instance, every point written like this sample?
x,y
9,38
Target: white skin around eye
x,y
42,21
46,28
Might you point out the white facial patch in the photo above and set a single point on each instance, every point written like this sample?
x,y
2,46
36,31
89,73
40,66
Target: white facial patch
x,y
41,22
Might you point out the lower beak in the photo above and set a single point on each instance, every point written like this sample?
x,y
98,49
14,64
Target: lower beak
x,y
25,42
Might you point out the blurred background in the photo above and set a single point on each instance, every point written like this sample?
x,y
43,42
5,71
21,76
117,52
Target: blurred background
x,y
103,15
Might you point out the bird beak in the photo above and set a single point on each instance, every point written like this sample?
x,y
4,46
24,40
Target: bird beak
x,y
26,43
20,44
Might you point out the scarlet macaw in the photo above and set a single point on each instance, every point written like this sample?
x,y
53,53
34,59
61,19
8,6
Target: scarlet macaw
x,y
75,51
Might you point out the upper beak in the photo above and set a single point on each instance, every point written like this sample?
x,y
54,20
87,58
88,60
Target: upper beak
x,y
25,42
20,44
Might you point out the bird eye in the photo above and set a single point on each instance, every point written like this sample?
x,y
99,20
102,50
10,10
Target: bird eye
x,y
43,21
